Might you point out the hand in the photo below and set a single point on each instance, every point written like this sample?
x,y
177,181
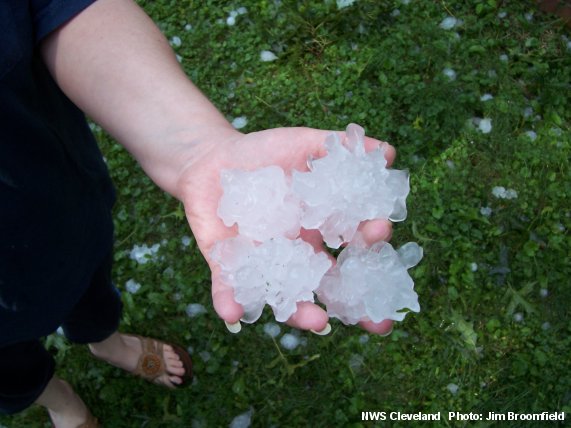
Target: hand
x,y
199,189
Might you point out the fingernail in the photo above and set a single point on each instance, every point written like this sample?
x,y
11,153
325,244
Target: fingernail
x,y
323,332
387,333
233,328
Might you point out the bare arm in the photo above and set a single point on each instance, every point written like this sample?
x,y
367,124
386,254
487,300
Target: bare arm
x,y
113,62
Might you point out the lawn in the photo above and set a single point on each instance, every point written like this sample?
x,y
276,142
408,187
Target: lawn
x,y
475,96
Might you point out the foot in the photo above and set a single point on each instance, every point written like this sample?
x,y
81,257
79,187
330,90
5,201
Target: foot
x,y
124,351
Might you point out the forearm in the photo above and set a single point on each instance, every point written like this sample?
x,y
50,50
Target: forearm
x,y
114,63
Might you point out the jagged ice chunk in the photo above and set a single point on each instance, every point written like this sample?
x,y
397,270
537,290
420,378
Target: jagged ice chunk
x,y
347,186
279,272
260,202
371,283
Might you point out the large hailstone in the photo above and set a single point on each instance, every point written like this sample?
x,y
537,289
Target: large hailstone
x,y
260,202
347,186
371,283
279,272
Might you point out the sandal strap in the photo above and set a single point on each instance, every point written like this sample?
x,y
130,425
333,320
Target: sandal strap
x,y
151,364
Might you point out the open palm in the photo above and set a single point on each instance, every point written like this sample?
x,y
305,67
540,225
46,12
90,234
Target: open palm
x,y
290,149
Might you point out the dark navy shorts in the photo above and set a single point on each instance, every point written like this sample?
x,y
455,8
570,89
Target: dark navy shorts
x,y
26,368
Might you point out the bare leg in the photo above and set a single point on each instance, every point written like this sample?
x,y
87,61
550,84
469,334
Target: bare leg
x,y
66,408
123,351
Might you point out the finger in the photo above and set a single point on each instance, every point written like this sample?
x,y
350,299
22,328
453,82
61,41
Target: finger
x,y
308,316
383,328
223,299
376,230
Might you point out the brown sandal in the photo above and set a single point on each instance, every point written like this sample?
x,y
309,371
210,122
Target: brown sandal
x,y
151,364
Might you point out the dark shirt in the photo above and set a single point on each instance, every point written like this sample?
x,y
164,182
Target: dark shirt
x,y
55,192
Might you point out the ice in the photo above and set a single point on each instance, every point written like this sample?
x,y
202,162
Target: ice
x,y
176,42
195,309
260,203
267,56
272,329
186,240
453,388
486,97
279,272
342,4
485,125
132,287
289,341
450,73
504,58
486,211
503,193
240,122
448,23
243,420
532,135
348,186
142,253
268,263
371,283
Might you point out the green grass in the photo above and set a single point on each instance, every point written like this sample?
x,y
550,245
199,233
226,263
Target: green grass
x,y
365,65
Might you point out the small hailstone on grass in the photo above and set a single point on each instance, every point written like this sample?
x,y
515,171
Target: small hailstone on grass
x,y
486,211
371,283
231,21
60,331
450,73
272,329
544,292
532,135
348,186
186,240
243,420
529,16
142,254
448,23
503,193
289,341
453,388
485,125
241,10
502,15
188,27
279,272
176,41
364,338
518,317
545,326
486,97
405,2
260,203
527,112
239,122
195,309
473,266
395,13
342,4
504,58
132,287
267,56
